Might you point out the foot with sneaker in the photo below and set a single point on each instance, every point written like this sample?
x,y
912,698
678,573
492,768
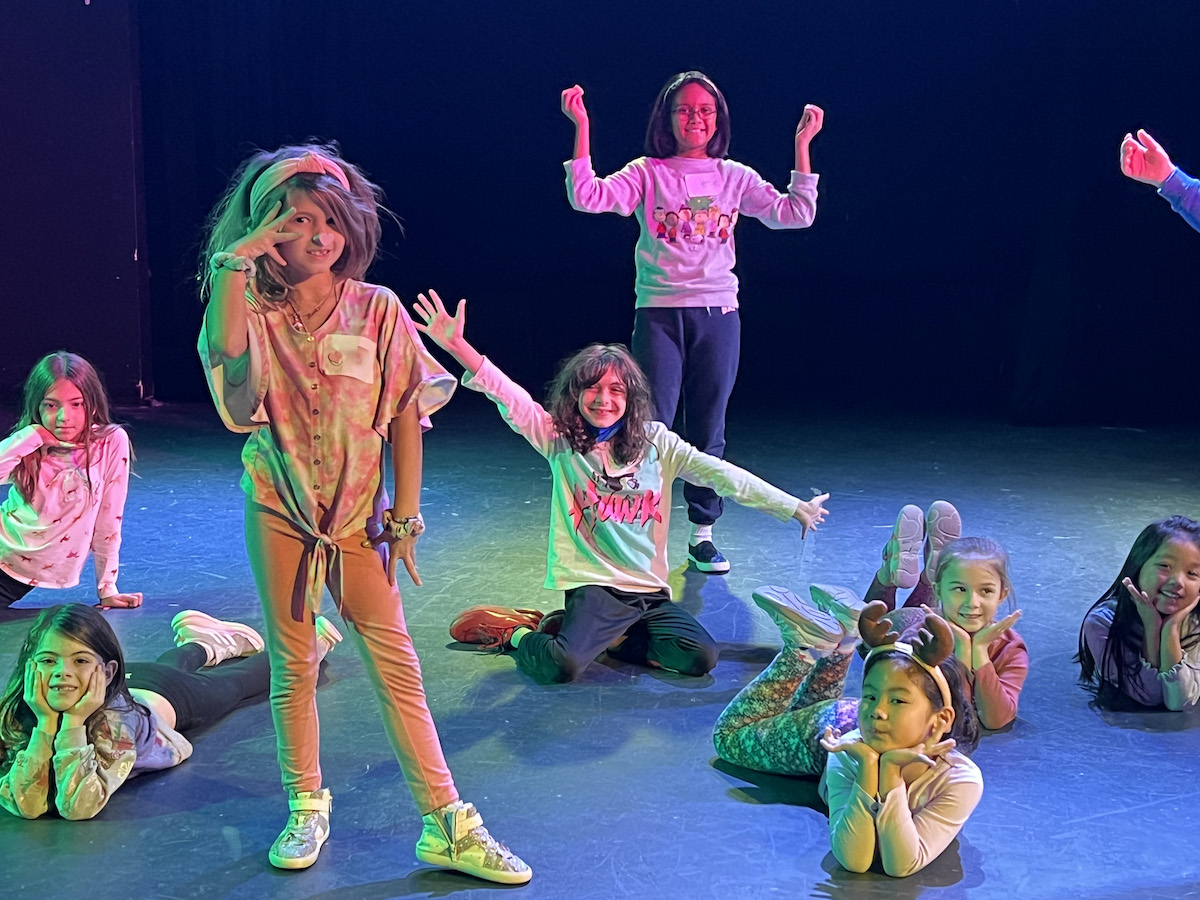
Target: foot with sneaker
x,y
824,622
493,627
910,556
223,640
703,554
453,837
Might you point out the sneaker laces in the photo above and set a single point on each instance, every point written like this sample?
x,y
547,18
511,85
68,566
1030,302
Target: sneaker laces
x,y
300,822
493,849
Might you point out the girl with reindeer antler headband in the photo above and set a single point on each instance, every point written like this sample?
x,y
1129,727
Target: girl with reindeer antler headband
x,y
892,764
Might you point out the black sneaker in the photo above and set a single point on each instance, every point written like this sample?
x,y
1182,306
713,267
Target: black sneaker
x,y
707,558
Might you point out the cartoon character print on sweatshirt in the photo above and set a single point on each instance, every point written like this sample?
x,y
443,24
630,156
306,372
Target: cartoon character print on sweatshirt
x,y
701,220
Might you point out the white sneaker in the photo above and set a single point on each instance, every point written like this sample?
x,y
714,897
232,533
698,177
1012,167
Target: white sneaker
x,y
454,838
840,602
328,637
801,621
901,566
220,640
307,830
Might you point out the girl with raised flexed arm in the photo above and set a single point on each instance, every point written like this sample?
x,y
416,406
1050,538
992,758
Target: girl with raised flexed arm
x,y
687,330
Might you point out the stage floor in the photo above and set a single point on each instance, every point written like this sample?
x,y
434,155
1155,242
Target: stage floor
x,y
609,787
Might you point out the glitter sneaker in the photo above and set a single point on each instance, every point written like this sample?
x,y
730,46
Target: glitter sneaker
x,y
306,831
454,838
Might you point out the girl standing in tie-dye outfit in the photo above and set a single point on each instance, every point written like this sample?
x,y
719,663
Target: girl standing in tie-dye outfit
x,y
320,369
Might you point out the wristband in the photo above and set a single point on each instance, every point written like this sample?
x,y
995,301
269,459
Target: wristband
x,y
233,263
409,526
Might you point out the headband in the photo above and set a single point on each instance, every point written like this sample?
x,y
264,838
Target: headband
x,y
277,173
939,677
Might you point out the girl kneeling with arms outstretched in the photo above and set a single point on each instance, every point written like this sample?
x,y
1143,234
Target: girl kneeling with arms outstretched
x,y
892,767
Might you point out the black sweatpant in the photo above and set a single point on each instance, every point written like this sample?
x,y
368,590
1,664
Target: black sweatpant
x,y
657,631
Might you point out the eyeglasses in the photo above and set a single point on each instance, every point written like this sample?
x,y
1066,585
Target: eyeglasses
x,y
686,112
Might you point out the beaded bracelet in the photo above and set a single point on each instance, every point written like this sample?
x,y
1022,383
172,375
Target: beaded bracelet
x,y
409,526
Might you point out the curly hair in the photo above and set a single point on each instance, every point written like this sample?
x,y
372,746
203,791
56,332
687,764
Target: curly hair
x,y
578,373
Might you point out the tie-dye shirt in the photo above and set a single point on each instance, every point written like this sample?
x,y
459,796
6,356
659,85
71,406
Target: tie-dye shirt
x,y
317,409
44,542
609,523
87,774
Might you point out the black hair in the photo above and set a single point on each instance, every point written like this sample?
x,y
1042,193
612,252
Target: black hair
x,y
965,727
660,137
1123,649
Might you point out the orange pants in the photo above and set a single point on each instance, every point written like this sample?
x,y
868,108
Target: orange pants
x,y
279,555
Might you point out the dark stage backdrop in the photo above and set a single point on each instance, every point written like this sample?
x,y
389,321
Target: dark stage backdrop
x,y
71,227
975,251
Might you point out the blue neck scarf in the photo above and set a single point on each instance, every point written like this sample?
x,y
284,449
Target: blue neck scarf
x,y
603,434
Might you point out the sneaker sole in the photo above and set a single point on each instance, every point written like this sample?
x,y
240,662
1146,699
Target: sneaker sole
x,y
803,615
445,862
943,524
840,602
908,533
708,568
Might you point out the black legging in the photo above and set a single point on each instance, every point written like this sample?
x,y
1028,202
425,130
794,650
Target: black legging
x,y
201,696
11,590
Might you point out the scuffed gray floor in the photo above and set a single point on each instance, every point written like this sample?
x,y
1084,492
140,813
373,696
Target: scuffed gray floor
x,y
609,787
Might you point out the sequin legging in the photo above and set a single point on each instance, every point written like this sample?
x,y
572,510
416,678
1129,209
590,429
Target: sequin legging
x,y
775,722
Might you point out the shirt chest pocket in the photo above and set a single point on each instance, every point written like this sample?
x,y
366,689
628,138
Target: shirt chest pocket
x,y
348,354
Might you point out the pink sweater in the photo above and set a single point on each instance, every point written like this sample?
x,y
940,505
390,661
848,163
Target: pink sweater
x,y
689,210
44,542
997,687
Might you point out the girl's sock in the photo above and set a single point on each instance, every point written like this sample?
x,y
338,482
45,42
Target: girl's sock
x,y
701,533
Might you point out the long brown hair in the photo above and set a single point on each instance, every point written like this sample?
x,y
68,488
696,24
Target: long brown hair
x,y
79,623
580,372
81,373
356,212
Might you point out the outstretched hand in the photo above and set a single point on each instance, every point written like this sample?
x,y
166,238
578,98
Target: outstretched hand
x,y
856,748
401,547
444,329
811,513
262,240
811,121
572,105
1143,159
